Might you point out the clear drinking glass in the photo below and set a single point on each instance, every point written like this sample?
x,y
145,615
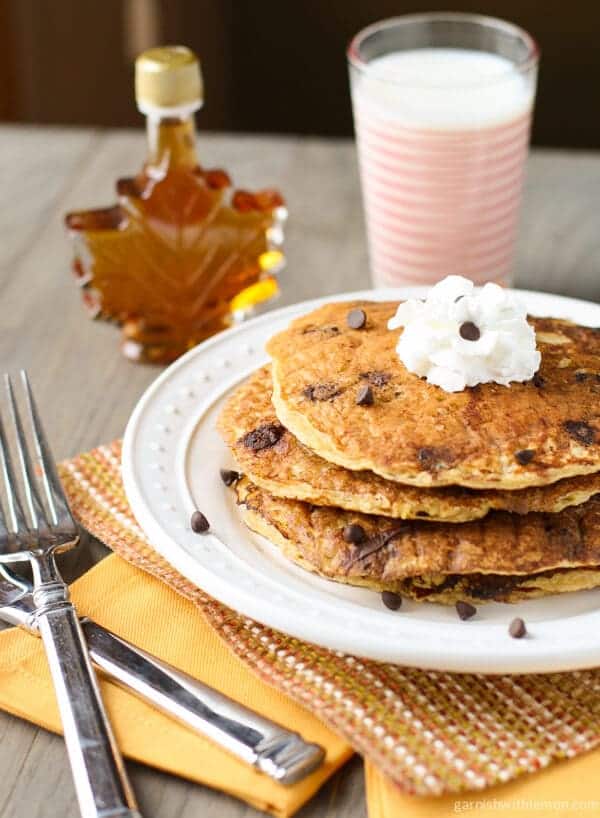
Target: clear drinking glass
x,y
442,113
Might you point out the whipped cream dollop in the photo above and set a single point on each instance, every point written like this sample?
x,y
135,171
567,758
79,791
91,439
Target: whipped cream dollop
x,y
460,336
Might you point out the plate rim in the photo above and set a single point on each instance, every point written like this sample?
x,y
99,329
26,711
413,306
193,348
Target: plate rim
x,y
515,657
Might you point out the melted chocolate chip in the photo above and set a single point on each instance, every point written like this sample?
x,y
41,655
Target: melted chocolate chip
x,y
321,391
469,331
327,330
580,431
391,600
376,378
525,456
426,456
538,381
364,396
480,586
465,610
229,477
354,534
430,457
356,319
492,586
517,628
580,377
263,437
375,543
198,523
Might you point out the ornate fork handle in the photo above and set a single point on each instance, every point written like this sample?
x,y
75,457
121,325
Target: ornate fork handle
x,y
100,780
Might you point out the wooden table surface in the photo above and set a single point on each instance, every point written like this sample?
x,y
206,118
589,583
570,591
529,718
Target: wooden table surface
x,y
87,390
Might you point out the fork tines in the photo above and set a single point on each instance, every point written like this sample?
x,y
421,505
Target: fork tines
x,y
28,518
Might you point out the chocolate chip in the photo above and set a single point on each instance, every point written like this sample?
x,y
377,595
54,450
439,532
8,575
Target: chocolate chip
x,y
581,376
321,391
580,431
356,319
525,456
229,477
469,331
517,628
198,522
263,437
354,533
538,381
465,610
391,600
364,396
376,378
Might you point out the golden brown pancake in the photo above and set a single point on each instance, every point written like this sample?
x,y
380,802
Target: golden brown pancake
x,y
504,557
488,436
286,468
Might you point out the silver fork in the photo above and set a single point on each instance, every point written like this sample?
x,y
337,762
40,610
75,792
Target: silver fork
x,y
35,530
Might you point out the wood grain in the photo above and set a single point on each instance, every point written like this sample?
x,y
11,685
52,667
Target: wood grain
x,y
87,390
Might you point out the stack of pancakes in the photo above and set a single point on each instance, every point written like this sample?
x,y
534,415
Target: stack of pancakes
x,y
368,475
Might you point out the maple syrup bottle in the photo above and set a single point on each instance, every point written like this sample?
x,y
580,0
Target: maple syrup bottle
x,y
181,255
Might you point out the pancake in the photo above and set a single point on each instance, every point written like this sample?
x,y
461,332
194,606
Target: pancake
x,y
504,557
488,436
289,469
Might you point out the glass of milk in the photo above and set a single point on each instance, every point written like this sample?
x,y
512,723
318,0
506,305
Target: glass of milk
x,y
442,112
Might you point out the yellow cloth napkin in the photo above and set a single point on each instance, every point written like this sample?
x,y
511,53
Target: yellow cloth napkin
x,y
149,614
567,789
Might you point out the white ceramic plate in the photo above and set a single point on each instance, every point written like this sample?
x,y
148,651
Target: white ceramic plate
x,y
171,460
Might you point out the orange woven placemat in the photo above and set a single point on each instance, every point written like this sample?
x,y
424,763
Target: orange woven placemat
x,y
430,732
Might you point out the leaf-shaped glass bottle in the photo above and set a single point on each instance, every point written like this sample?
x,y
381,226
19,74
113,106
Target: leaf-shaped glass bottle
x,y
181,255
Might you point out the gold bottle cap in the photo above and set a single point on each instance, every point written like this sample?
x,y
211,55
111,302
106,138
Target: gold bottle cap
x,y
168,78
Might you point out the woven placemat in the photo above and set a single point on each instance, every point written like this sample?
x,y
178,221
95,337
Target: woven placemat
x,y
430,732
